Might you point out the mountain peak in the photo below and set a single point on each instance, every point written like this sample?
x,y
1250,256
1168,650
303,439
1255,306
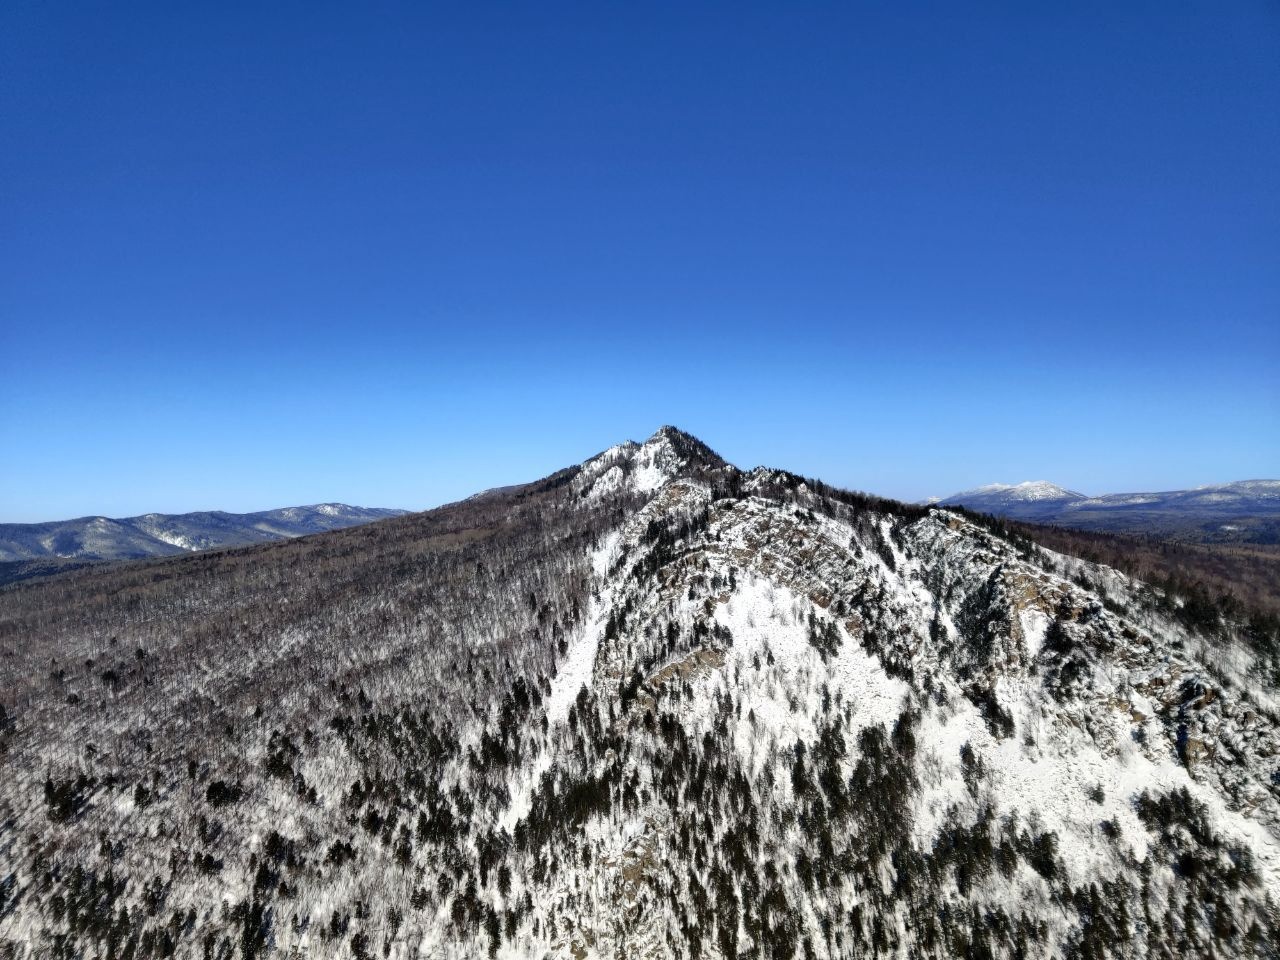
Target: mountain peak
x,y
1243,511
669,454
1002,497
668,431
1042,490
686,446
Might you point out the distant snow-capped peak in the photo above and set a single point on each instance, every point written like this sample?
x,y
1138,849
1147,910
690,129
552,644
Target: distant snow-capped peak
x,y
1028,490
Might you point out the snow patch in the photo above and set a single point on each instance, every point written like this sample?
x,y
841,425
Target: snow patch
x,y
575,672
767,622
1035,624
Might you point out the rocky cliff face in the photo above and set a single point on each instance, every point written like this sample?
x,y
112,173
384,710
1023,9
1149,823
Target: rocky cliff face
x,y
652,706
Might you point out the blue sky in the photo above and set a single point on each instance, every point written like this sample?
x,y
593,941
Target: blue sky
x,y
264,254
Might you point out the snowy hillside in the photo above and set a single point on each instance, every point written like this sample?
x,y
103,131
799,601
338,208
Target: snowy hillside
x,y
651,706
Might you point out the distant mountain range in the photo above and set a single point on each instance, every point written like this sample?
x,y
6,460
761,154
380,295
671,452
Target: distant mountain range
x,y
167,534
1245,511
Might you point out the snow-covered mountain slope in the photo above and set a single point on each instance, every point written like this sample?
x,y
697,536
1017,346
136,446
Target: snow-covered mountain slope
x,y
164,534
1248,510
651,706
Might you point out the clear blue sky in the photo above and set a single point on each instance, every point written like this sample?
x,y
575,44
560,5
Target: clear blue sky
x,y
262,254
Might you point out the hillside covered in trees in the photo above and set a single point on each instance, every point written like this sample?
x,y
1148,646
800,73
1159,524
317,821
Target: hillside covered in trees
x,y
650,706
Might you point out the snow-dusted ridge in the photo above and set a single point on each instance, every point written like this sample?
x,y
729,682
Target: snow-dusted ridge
x,y
160,534
1244,511
1027,490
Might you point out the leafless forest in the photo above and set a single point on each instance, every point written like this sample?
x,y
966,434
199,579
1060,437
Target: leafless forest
x,y
650,706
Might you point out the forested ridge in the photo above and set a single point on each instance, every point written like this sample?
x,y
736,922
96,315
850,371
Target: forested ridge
x,y
650,706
